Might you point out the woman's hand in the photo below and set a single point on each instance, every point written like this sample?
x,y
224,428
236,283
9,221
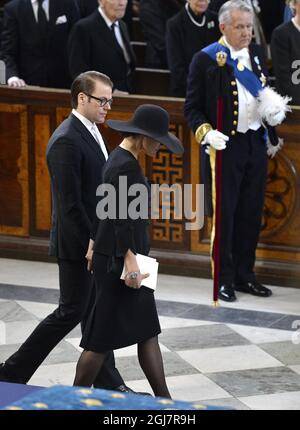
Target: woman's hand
x,y
89,255
133,277
136,281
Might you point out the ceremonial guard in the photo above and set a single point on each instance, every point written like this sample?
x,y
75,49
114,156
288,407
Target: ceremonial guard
x,y
233,112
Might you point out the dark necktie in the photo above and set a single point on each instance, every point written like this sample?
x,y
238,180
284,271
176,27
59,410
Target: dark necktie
x,y
126,57
112,27
42,19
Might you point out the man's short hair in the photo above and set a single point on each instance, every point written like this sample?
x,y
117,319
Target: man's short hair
x,y
226,9
85,83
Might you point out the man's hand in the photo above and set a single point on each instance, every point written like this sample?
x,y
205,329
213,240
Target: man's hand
x,y
89,255
16,82
215,139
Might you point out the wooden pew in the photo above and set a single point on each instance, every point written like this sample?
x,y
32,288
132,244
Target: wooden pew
x,y
153,82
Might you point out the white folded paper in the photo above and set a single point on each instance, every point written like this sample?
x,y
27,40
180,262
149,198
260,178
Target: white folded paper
x,y
146,265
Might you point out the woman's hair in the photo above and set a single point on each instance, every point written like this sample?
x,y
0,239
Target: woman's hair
x,y
85,83
225,11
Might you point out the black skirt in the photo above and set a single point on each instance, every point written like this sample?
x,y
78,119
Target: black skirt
x,y
121,316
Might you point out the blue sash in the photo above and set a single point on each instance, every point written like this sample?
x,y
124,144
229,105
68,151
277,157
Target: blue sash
x,y
246,77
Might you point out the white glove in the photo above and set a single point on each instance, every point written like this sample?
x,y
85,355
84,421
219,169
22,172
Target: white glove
x,y
14,81
275,118
216,139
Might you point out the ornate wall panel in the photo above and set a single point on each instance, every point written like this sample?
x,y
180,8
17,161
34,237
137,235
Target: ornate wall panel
x,y
14,192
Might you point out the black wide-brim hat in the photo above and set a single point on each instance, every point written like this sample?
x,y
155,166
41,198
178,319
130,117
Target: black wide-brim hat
x,y
151,121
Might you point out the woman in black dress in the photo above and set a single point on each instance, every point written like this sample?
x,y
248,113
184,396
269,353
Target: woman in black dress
x,y
125,312
189,31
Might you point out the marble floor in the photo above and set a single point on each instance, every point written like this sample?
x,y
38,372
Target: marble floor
x,y
244,355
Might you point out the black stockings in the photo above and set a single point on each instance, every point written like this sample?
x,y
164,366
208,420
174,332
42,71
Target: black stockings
x,y
150,360
152,364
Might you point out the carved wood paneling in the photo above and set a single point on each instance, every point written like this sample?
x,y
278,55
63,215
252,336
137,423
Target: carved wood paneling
x,y
14,189
42,132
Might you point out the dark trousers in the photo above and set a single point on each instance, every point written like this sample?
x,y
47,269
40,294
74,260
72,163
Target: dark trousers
x,y
77,295
244,172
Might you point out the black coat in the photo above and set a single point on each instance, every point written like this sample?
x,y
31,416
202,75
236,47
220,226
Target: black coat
x,y
201,97
26,55
75,163
86,7
201,102
285,48
184,39
154,15
113,237
93,47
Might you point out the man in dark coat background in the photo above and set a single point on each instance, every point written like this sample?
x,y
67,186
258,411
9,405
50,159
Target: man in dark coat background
x,y
34,41
101,42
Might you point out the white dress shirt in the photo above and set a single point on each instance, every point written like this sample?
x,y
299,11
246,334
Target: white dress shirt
x,y
117,31
295,23
45,6
248,115
93,129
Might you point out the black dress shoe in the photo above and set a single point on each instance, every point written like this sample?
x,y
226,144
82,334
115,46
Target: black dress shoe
x,y
254,288
3,376
226,293
124,389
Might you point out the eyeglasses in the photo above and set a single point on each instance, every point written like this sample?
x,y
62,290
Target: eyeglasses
x,y
101,100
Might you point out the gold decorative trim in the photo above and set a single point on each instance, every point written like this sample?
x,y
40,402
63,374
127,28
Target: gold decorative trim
x,y
202,131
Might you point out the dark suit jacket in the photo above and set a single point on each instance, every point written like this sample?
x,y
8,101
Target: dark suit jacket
x,y
26,55
285,48
272,13
93,47
86,7
153,16
184,39
75,163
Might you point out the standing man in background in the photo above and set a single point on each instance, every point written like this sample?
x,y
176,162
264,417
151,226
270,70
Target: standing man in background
x,y
101,42
34,42
241,140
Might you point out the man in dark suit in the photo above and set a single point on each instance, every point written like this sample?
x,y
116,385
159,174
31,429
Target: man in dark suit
x,y
86,7
34,41
76,154
101,42
244,150
285,48
154,15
